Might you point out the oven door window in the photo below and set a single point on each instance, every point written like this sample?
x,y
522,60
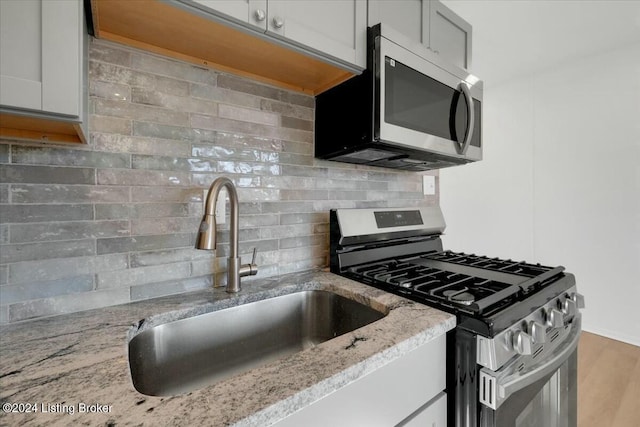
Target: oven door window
x,y
418,102
549,402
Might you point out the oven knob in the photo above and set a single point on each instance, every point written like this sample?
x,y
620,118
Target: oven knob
x,y
555,318
578,299
522,343
569,307
538,332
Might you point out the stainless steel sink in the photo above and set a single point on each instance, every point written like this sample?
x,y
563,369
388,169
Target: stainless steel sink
x,y
188,354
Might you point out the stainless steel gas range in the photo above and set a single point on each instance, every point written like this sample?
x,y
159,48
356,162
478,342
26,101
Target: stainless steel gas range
x,y
512,359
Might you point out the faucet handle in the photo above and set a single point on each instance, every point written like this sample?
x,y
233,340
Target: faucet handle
x,y
250,269
255,253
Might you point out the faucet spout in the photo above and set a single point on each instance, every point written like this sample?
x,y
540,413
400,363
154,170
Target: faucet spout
x,y
207,238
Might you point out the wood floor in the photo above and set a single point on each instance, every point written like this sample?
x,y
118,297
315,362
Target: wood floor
x,y
608,383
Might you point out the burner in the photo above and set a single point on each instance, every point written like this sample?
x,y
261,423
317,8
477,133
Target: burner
x,y
463,298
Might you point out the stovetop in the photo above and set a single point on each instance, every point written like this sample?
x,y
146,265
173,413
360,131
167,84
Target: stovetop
x,y
468,283
400,250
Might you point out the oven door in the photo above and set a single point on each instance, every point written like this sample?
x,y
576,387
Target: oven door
x,y
421,106
540,394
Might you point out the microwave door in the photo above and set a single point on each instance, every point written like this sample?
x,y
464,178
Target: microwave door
x,y
420,104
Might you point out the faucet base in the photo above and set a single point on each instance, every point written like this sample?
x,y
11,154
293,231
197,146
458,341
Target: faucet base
x,y
233,275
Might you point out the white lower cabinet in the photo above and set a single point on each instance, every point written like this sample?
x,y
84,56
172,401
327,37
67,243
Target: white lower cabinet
x,y
432,414
407,391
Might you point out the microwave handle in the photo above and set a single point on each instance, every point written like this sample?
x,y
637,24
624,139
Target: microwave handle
x,y
464,88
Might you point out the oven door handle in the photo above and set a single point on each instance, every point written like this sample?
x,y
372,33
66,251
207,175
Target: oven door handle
x,y
464,88
496,388
517,382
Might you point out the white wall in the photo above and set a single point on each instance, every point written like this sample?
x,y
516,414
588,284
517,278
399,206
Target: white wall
x,y
560,182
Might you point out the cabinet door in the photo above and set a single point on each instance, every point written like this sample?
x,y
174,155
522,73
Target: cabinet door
x,y
333,27
397,392
433,414
409,17
40,55
253,12
450,35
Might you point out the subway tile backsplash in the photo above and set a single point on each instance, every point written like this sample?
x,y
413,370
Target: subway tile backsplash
x,y
114,221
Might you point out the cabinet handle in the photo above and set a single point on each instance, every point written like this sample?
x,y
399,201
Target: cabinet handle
x,y
260,15
278,22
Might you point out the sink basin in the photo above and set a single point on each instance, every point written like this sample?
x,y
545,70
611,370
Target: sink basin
x,y
188,354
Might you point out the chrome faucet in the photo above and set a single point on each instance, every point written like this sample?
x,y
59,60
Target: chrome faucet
x,y
207,234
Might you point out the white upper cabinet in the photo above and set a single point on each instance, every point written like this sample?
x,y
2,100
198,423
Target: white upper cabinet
x,y
449,35
330,29
428,22
253,12
41,56
335,27
409,17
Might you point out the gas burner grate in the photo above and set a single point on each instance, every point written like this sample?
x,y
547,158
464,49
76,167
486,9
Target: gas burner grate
x,y
495,264
457,289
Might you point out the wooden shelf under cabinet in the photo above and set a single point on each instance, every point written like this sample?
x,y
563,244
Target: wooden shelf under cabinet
x,y
14,126
168,30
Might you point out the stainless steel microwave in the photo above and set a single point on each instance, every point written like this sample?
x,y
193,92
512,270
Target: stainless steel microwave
x,y
408,110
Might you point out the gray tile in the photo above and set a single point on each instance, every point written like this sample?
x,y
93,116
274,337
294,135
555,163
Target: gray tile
x,y
144,243
4,314
4,234
101,50
247,115
139,144
142,275
166,194
304,218
4,193
239,84
62,193
112,91
46,250
54,269
284,231
4,152
171,287
51,288
70,230
296,242
47,174
294,123
172,68
164,226
155,130
45,213
304,194
144,259
105,72
159,210
4,274
107,124
173,163
287,110
142,177
67,304
112,211
140,112
219,94
68,157
145,96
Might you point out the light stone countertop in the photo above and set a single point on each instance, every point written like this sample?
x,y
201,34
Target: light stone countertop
x,y
68,363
